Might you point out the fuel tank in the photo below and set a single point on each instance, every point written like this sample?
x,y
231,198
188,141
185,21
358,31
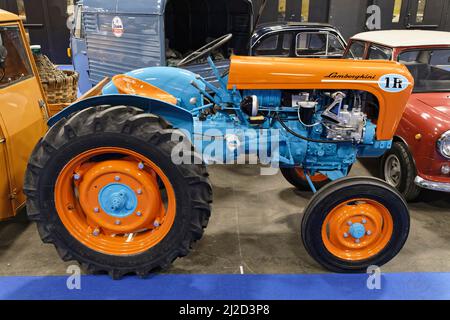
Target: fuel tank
x,y
390,82
174,81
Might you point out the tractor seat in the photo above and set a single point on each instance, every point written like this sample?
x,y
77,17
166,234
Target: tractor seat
x,y
129,85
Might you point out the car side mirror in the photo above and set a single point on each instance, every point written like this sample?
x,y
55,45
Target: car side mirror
x,y
3,56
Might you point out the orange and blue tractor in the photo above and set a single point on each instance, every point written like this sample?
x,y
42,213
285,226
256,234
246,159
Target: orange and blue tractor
x,y
119,181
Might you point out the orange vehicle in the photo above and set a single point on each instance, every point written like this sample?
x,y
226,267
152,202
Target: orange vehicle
x,y
119,182
22,114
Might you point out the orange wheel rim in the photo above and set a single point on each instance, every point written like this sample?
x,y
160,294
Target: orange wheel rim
x,y
318,177
357,229
123,204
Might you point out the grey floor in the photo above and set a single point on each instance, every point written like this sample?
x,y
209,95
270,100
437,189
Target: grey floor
x,y
254,229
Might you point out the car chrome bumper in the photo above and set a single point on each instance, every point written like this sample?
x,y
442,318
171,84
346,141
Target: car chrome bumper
x,y
436,186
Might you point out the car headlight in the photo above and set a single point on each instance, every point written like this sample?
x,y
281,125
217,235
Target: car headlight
x,y
444,144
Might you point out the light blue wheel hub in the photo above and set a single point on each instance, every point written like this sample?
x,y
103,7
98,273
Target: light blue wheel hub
x,y
117,200
357,230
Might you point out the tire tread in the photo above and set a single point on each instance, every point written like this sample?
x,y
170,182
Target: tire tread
x,y
121,119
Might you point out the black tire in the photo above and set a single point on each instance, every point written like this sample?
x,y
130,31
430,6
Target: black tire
x,y
405,185
346,189
292,176
130,128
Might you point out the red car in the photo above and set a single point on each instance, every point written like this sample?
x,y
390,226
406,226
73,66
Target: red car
x,y
420,155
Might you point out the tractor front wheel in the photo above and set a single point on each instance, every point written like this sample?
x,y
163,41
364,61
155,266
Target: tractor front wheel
x,y
354,223
103,189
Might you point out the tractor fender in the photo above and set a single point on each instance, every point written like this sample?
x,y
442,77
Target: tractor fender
x,y
176,116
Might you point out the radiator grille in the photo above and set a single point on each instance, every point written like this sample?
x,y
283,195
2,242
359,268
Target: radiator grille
x,y
138,47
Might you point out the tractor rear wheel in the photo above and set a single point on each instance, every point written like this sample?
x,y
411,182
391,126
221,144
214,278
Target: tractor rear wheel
x,y
102,187
354,223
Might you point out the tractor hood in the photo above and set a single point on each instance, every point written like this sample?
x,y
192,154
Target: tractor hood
x,y
390,82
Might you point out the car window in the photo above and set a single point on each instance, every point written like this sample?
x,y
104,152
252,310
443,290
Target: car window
x,y
379,53
274,45
14,63
440,58
269,43
356,50
429,67
287,41
408,56
335,46
318,44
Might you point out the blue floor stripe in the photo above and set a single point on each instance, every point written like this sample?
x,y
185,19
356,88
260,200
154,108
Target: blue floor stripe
x,y
404,286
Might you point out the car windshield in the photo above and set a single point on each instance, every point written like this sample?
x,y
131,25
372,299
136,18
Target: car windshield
x,y
429,67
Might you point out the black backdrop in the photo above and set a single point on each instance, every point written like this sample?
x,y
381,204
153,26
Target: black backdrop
x,y
48,18
47,26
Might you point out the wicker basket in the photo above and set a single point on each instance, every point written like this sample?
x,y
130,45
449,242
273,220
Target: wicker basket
x,y
60,86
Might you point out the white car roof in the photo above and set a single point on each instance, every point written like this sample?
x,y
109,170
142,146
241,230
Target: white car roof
x,y
405,38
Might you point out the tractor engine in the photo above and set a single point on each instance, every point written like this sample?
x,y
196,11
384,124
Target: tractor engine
x,y
330,127
340,113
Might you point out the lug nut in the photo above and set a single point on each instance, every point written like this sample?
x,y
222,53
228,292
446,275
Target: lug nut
x,y
139,213
96,232
96,210
139,191
118,222
346,235
349,223
156,224
76,177
357,240
364,221
141,166
369,232
117,178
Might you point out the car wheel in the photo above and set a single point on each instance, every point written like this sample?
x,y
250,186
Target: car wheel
x,y
398,169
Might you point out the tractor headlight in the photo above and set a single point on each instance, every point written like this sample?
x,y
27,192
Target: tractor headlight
x,y
443,144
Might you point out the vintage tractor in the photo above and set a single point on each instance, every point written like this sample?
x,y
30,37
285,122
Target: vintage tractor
x,y
119,182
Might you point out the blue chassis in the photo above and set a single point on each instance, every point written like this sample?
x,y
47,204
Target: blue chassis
x,y
330,159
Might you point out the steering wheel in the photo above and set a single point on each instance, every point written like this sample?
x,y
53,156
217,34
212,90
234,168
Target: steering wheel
x,y
203,51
